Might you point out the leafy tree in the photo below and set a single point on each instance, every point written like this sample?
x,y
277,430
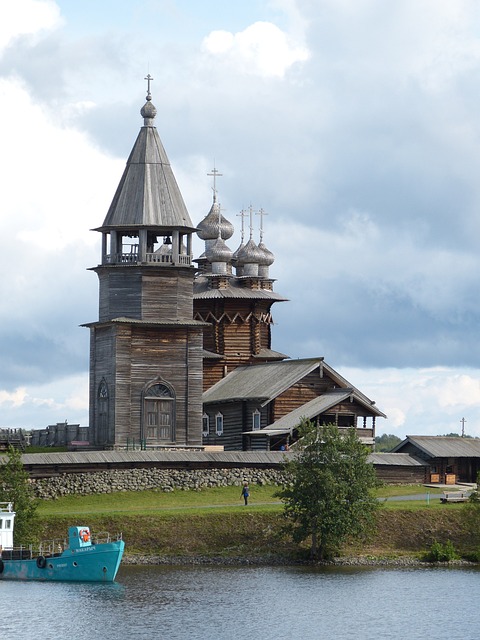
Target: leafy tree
x,y
15,487
471,516
329,499
458,435
386,442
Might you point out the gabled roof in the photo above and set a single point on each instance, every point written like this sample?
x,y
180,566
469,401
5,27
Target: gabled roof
x,y
264,382
148,194
261,382
396,459
310,410
443,446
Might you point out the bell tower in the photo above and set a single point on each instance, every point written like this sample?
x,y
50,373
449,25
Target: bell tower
x,y
146,349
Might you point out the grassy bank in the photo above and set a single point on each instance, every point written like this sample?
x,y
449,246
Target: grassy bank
x,y
214,522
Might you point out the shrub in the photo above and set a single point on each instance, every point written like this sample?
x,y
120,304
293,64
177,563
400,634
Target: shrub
x,y
439,552
472,556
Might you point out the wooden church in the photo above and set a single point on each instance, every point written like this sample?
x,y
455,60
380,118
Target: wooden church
x,y
181,354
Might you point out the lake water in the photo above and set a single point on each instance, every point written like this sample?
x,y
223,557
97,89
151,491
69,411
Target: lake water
x,y
218,603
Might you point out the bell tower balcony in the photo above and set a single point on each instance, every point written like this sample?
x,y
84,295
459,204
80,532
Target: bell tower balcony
x,y
146,247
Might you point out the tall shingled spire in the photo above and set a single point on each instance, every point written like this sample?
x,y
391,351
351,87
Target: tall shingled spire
x,y
148,194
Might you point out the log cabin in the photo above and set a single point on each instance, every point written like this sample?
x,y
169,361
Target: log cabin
x,y
451,459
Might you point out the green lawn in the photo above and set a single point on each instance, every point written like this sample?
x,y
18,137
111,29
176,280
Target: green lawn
x,y
146,502
224,498
389,490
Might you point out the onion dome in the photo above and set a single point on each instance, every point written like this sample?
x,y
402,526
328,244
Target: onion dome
x,y
250,254
238,267
218,252
268,257
208,229
219,256
148,111
248,259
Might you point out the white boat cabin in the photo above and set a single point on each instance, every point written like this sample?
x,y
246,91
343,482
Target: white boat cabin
x,y
7,517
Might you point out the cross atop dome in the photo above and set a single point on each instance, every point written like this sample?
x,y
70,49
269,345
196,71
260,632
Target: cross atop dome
x,y
149,79
214,172
261,213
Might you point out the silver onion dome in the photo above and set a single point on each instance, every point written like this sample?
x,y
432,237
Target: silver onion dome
x,y
209,227
268,257
250,254
218,252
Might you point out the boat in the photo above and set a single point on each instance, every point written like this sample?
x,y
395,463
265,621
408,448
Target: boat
x,y
81,558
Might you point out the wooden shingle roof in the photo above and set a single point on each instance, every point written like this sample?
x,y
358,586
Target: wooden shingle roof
x,y
442,446
148,194
264,382
311,409
203,291
261,382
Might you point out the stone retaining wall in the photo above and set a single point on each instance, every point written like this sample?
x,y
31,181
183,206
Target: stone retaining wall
x,y
159,479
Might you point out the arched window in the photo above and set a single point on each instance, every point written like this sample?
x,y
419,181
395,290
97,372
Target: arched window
x,y
159,414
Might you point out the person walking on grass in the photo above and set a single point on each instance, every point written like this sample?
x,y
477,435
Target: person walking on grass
x,y
245,492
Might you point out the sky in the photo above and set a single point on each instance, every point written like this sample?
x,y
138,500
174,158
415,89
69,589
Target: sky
x,y
355,124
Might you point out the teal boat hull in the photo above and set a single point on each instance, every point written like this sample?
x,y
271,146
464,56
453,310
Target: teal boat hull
x,y
93,563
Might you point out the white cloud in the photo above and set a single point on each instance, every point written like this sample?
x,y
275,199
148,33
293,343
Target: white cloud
x,y
69,180
26,17
369,175
422,401
39,405
14,398
261,49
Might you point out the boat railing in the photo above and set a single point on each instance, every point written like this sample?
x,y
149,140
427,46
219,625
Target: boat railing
x,y
51,548
18,553
103,537
47,548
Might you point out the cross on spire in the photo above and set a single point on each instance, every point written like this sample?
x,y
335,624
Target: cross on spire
x,y
261,213
214,173
243,215
149,79
463,427
250,209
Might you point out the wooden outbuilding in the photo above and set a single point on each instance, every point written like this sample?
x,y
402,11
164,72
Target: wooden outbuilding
x,y
451,459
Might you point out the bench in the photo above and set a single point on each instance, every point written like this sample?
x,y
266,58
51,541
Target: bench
x,y
454,496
